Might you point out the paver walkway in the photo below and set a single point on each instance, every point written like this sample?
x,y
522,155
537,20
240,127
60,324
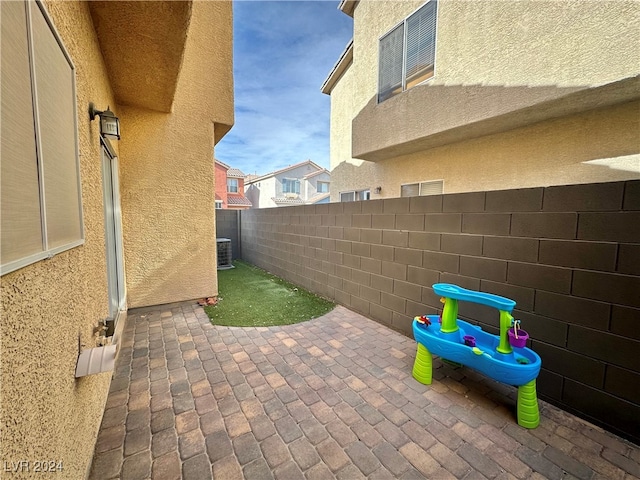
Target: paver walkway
x,y
329,398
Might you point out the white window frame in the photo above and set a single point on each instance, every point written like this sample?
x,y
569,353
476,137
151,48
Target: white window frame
x,y
321,182
403,24
230,185
219,204
357,195
295,182
47,251
422,186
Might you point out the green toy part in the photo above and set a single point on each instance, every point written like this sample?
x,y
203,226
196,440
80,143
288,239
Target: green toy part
x,y
422,367
528,413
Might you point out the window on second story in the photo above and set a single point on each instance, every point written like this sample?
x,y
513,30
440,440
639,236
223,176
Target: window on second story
x,y
323,187
218,204
407,52
232,185
290,185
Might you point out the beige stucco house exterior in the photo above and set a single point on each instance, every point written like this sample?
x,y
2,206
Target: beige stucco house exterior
x,y
92,226
461,96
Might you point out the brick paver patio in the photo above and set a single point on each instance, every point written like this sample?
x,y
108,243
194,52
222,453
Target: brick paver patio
x,y
329,398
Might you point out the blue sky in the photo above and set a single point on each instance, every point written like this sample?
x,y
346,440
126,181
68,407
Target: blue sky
x,y
283,51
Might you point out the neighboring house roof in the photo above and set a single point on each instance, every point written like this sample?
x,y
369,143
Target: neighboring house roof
x,y
318,197
250,177
235,173
231,172
341,66
222,164
288,201
278,172
313,174
240,200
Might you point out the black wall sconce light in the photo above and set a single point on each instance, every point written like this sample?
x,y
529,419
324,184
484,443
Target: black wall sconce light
x,y
109,123
378,189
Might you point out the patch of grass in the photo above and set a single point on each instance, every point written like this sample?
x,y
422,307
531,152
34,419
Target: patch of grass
x,y
250,297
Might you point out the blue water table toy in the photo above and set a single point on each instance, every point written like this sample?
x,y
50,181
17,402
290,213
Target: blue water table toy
x,y
502,357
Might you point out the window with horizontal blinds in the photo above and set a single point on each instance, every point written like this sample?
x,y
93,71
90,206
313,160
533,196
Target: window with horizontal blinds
x,y
56,116
410,190
435,187
390,69
20,226
348,196
407,53
40,184
421,41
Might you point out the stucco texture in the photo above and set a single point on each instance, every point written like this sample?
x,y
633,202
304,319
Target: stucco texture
x,y
575,148
167,171
49,308
505,45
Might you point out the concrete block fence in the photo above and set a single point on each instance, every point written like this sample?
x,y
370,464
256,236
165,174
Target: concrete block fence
x,y
568,255
227,226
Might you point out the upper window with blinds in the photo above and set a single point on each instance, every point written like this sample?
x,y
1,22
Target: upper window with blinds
x,y
407,53
40,205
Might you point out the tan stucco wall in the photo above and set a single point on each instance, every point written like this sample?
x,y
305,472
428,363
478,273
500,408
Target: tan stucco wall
x,y
495,43
167,170
571,149
347,173
526,42
50,307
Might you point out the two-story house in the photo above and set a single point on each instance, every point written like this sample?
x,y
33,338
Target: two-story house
x,y
230,188
304,183
455,96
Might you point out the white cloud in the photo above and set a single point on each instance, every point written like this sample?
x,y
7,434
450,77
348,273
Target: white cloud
x,y
283,51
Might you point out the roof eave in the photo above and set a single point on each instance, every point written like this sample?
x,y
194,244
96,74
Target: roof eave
x,y
348,6
341,66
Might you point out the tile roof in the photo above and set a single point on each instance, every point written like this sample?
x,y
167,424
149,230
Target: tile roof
x,y
318,197
288,201
238,200
234,172
317,172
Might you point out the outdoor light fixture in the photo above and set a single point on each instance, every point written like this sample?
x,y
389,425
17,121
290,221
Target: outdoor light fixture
x,y
378,189
109,123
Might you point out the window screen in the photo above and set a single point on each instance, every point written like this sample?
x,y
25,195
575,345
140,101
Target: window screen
x,y
21,227
390,70
348,197
410,190
56,116
421,40
432,188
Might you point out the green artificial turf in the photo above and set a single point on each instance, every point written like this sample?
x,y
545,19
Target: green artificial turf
x,y
250,297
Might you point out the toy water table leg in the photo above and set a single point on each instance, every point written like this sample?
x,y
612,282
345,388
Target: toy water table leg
x,y
528,413
422,367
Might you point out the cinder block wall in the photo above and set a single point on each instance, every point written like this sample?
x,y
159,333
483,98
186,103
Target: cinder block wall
x,y
569,256
227,223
